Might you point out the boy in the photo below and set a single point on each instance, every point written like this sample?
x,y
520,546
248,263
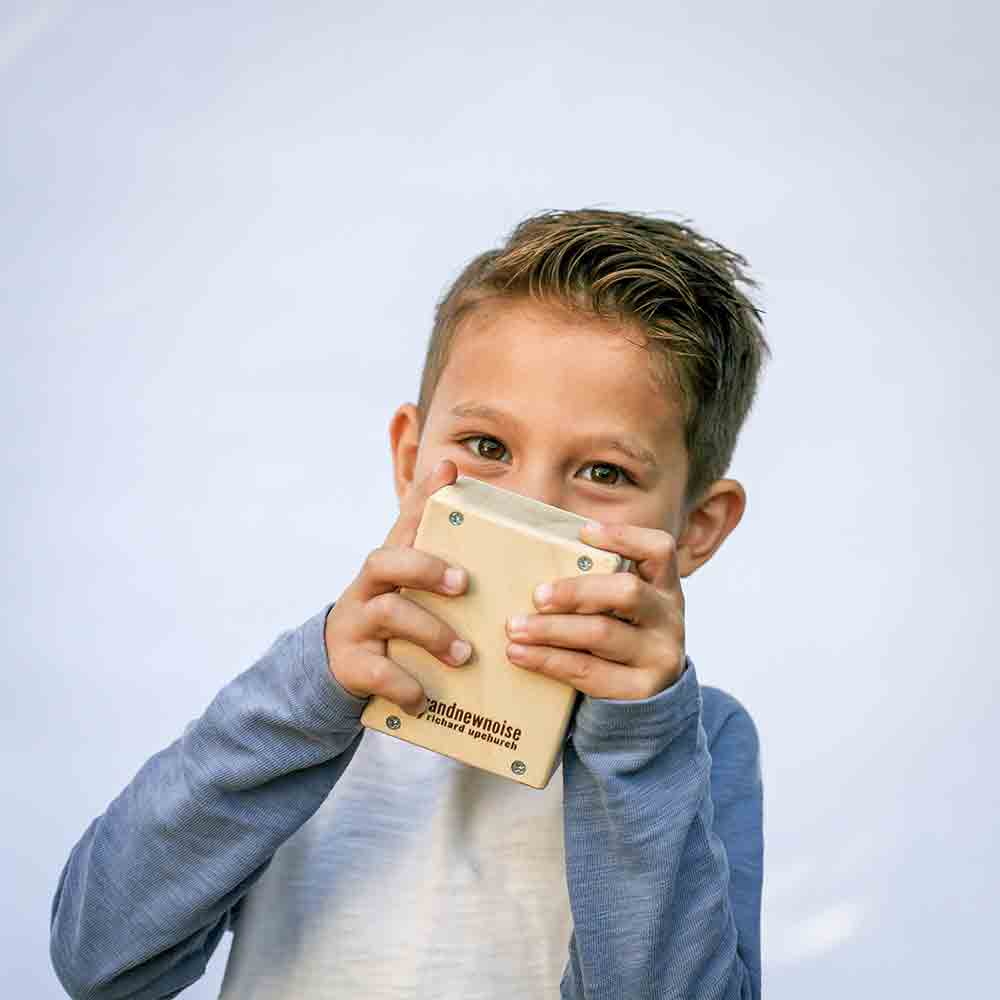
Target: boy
x,y
601,362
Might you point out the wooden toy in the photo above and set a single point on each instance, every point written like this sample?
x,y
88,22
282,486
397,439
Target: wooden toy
x,y
488,712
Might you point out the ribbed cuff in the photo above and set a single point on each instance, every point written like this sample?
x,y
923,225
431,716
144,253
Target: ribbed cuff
x,y
601,721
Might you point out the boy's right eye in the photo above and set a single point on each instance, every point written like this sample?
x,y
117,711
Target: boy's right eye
x,y
479,451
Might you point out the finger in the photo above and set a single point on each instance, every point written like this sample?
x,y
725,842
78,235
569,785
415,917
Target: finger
x,y
623,594
601,635
375,674
589,674
390,568
395,616
653,551
411,508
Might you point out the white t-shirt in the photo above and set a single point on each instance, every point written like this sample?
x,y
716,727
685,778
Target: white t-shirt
x,y
419,876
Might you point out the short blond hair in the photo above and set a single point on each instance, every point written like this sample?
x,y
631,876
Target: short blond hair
x,y
677,286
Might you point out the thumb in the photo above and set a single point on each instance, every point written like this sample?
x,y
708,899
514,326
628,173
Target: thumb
x,y
411,507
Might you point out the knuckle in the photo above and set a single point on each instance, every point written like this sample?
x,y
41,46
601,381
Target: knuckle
x,y
602,628
372,561
380,608
378,674
580,668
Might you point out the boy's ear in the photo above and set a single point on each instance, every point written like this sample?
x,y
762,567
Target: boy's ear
x,y
709,523
404,438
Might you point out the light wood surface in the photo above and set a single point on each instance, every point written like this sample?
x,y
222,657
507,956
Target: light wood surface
x,y
489,713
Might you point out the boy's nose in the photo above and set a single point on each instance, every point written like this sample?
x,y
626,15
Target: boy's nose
x,y
538,487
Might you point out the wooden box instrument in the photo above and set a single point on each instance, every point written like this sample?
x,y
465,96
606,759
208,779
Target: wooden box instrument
x,y
488,712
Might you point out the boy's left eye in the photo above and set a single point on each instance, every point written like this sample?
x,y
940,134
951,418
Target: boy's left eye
x,y
617,471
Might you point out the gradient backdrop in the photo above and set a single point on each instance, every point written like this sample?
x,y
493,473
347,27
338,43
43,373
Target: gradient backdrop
x,y
223,233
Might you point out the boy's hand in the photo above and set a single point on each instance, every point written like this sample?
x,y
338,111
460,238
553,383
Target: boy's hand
x,y
605,657
371,611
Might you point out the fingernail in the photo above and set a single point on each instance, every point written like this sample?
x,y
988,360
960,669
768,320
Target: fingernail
x,y
454,580
516,651
543,593
460,651
518,623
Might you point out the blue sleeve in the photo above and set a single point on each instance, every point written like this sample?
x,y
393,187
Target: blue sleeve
x,y
154,882
664,849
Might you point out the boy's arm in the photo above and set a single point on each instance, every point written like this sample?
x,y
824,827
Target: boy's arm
x,y
664,849
154,883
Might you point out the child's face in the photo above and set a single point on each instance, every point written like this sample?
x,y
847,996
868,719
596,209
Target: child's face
x,y
532,400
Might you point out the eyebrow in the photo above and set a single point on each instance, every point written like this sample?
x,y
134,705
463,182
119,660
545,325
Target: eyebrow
x,y
633,450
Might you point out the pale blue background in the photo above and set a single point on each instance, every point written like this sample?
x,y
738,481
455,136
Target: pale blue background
x,y
222,236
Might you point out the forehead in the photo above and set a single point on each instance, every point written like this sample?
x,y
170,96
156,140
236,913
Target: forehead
x,y
554,366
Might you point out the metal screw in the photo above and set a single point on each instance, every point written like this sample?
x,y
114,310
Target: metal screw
x,y
519,767
456,517
585,562
392,722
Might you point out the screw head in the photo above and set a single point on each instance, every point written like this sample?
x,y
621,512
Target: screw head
x,y
585,562
392,722
519,767
456,517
